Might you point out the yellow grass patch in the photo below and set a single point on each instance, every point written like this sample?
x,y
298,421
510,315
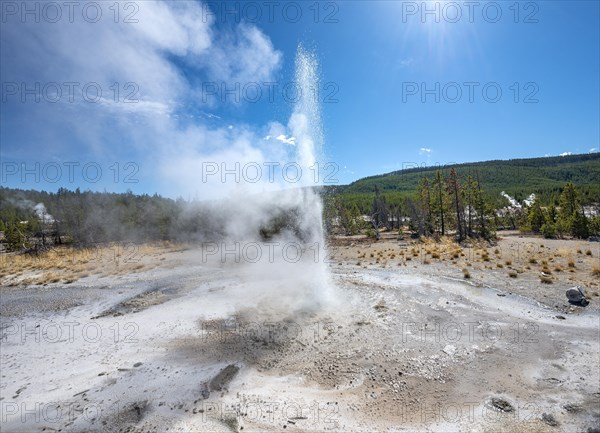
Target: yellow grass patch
x,y
67,264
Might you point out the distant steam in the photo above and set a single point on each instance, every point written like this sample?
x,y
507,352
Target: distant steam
x,y
38,208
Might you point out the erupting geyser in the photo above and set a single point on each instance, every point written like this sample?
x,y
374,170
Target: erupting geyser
x,y
286,226
305,124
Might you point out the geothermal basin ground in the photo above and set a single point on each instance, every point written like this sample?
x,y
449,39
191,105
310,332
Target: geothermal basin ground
x,y
403,341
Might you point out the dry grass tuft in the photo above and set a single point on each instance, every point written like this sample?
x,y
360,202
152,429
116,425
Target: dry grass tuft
x,y
67,265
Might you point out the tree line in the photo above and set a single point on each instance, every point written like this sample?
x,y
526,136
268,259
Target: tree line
x,y
33,220
441,205
459,206
37,220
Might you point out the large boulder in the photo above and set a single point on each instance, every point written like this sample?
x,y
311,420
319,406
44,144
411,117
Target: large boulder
x,y
576,296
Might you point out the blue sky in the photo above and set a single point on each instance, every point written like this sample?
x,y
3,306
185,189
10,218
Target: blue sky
x,y
375,61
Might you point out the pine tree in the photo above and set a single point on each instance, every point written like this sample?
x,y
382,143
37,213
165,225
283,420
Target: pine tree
x,y
571,216
552,214
536,217
453,190
484,232
579,227
425,202
380,215
439,206
470,192
569,201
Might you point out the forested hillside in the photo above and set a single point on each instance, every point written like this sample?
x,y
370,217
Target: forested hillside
x,y
519,178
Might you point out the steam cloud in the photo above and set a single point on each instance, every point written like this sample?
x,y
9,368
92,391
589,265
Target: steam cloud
x,y
277,282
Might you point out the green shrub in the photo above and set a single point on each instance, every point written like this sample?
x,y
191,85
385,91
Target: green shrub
x,y
549,230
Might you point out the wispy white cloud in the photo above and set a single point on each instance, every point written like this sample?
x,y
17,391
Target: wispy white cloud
x,y
406,62
138,107
425,151
565,154
287,140
593,149
246,57
277,131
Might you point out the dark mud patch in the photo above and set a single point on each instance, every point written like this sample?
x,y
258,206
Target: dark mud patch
x,y
128,417
138,303
24,300
221,380
134,412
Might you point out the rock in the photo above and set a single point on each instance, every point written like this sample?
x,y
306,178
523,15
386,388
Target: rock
x,y
559,317
449,349
549,419
137,364
576,296
501,405
572,408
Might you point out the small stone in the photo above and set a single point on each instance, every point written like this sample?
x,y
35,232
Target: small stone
x,y
576,296
449,349
549,419
501,405
572,408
